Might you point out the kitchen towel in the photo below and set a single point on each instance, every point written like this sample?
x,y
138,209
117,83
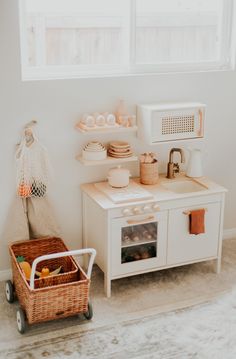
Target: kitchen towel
x,y
197,221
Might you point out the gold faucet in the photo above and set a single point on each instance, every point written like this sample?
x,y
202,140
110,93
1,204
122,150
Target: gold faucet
x,y
172,167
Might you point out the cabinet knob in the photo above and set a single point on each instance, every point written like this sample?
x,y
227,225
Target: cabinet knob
x,y
147,209
155,207
127,212
137,210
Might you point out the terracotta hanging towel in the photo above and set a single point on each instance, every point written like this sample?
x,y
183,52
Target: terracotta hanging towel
x,y
197,221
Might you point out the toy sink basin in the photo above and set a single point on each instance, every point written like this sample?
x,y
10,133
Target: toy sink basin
x,y
184,186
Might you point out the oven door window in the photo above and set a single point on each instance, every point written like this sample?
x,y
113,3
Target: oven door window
x,y
139,242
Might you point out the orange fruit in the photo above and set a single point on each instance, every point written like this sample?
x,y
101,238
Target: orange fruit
x,y
24,190
45,272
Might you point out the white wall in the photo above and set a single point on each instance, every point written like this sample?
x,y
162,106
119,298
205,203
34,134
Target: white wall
x,y
58,104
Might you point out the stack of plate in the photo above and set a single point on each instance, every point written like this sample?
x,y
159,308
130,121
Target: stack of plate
x,y
94,151
120,149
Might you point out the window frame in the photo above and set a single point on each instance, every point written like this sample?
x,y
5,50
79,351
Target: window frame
x,y
46,72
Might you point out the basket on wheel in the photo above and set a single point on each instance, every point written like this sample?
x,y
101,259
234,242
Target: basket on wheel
x,y
56,296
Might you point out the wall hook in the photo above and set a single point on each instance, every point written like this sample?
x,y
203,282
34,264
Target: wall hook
x,y
28,132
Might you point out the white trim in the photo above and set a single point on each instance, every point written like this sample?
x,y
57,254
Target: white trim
x,y
5,274
44,72
65,73
23,41
233,38
226,31
229,233
132,29
40,41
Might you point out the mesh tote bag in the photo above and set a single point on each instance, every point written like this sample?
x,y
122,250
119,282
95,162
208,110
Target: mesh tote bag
x,y
33,169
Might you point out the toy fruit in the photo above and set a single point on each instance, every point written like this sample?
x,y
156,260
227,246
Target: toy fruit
x,y
45,272
135,236
25,266
137,256
24,190
145,254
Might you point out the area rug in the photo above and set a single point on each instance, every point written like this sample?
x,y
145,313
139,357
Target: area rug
x,y
204,332
134,300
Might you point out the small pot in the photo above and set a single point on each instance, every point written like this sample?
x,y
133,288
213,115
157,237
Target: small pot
x,y
118,177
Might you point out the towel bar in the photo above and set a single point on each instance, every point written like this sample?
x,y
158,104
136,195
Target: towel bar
x,y
187,213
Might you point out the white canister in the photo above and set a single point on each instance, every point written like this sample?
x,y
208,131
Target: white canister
x,y
111,119
194,168
89,121
100,120
84,117
118,177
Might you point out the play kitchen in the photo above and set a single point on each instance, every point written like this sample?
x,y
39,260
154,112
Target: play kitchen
x,y
156,221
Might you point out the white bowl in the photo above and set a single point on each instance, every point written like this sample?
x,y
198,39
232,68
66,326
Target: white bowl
x,y
94,149
94,145
94,155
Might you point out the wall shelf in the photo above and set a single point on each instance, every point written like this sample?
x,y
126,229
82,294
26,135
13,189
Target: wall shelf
x,y
107,161
107,129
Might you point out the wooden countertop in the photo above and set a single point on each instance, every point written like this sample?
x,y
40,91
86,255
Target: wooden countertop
x,y
160,193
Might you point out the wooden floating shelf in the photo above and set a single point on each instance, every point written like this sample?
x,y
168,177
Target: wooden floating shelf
x,y
108,129
107,161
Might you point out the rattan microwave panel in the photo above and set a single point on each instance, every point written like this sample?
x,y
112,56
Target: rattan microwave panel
x,y
170,122
177,124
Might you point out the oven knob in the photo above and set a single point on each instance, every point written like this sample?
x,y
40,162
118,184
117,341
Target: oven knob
x,y
127,212
155,207
137,210
147,209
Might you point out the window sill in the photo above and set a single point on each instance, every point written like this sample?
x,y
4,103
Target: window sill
x,y
62,73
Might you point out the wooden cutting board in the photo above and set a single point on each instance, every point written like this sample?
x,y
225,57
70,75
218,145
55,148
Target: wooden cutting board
x,y
133,192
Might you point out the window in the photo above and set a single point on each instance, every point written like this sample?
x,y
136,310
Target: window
x,y
73,38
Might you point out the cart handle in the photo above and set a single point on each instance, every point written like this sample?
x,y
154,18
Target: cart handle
x,y
77,252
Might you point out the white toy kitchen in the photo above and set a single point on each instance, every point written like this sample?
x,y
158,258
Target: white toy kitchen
x,y
174,221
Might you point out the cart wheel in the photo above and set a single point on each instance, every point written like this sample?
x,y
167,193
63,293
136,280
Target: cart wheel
x,y
9,291
89,314
21,321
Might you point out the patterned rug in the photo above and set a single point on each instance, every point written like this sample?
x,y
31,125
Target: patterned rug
x,y
203,332
132,323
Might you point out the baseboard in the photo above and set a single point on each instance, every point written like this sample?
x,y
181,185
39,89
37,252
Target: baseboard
x,y
5,274
229,233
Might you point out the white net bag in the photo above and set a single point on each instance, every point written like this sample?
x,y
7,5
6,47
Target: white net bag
x,y
33,168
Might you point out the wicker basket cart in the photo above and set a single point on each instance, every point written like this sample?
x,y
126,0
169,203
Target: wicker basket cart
x,y
58,296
